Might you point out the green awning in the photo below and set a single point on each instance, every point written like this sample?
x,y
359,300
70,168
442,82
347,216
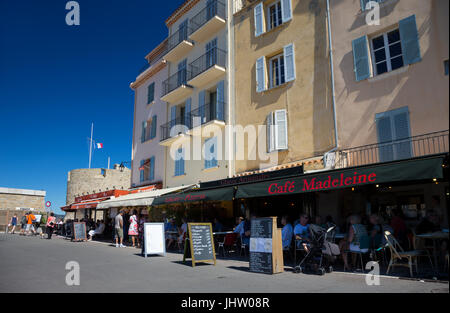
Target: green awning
x,y
408,170
217,194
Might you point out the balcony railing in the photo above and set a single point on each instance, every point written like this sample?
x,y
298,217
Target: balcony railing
x,y
207,113
206,61
173,82
214,8
413,147
178,37
175,127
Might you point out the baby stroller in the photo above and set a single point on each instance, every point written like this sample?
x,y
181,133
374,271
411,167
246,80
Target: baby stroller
x,y
320,253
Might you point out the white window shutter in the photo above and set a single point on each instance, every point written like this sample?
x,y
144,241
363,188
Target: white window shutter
x,y
270,133
286,10
261,74
281,131
259,19
289,62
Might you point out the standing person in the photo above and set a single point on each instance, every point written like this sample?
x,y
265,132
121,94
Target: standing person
x,y
354,236
118,226
50,225
13,223
30,220
182,232
23,222
133,230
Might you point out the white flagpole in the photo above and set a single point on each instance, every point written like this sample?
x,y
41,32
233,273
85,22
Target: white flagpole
x,y
109,159
90,148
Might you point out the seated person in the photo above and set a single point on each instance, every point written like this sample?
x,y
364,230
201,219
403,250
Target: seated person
x,y
171,230
97,231
355,234
239,229
301,232
218,227
287,232
245,236
182,232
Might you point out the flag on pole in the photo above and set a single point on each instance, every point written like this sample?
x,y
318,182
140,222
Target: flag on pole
x,y
99,146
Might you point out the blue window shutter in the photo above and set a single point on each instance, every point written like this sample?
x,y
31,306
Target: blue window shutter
x,y
151,93
187,113
154,125
281,131
361,58
207,153
214,151
179,163
363,4
152,168
261,74
173,116
270,133
410,40
385,138
142,171
220,101
402,131
286,9
211,153
201,105
289,61
259,19
144,126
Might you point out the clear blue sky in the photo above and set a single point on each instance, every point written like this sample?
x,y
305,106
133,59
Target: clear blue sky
x,y
57,79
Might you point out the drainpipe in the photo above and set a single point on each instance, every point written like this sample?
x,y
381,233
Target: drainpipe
x,y
330,43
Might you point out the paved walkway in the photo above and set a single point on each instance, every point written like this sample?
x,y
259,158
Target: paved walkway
x,y
30,264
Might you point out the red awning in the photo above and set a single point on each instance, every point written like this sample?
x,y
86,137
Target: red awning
x,y
85,205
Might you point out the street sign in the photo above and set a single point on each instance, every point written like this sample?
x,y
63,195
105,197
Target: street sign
x,y
48,204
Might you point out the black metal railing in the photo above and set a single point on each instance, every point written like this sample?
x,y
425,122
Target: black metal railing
x,y
173,82
175,127
178,37
213,57
214,8
413,147
208,112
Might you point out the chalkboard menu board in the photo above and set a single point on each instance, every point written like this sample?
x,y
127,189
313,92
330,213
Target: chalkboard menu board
x,y
265,244
79,232
201,243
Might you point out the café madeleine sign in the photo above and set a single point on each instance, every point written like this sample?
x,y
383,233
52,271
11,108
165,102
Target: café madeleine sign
x,y
316,184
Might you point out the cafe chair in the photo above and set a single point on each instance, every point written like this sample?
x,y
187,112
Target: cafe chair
x,y
424,251
243,248
364,244
398,255
228,242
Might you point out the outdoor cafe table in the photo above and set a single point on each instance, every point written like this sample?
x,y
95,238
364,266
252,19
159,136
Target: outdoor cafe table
x,y
222,233
435,237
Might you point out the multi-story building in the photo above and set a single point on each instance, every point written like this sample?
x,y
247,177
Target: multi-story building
x,y
148,158
283,82
197,93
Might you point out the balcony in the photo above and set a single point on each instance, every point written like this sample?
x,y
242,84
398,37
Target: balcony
x,y
175,130
178,45
413,147
175,87
208,22
207,117
207,68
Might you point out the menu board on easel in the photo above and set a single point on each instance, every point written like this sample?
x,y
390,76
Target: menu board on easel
x,y
266,253
79,232
201,243
154,240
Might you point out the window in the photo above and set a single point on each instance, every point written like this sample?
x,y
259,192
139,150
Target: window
x,y
394,135
211,153
278,13
281,69
151,93
387,52
274,15
147,170
149,129
276,76
179,162
277,132
144,131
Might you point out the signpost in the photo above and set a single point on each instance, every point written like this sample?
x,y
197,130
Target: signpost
x,y
266,252
79,232
201,243
154,239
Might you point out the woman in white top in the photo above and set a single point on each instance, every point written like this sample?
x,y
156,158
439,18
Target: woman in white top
x,y
182,232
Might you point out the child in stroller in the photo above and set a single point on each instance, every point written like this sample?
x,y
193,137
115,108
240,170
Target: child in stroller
x,y
320,253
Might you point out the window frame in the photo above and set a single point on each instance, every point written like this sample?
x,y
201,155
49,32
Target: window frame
x,y
150,101
386,46
213,163
281,71
278,15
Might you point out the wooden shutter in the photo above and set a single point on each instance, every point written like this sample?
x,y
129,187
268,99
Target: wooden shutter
x,y
152,168
154,125
261,74
410,40
144,130
402,149
259,19
361,58
281,131
141,171
220,101
151,93
385,137
289,62
363,4
187,113
286,10
201,105
270,133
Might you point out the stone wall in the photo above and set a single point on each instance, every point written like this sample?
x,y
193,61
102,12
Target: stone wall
x,y
13,201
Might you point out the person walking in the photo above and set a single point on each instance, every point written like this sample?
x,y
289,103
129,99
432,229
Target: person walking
x,y
13,223
118,226
133,228
30,220
23,222
50,225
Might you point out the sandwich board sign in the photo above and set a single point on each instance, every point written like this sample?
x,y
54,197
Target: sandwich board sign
x,y
201,243
154,239
79,232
